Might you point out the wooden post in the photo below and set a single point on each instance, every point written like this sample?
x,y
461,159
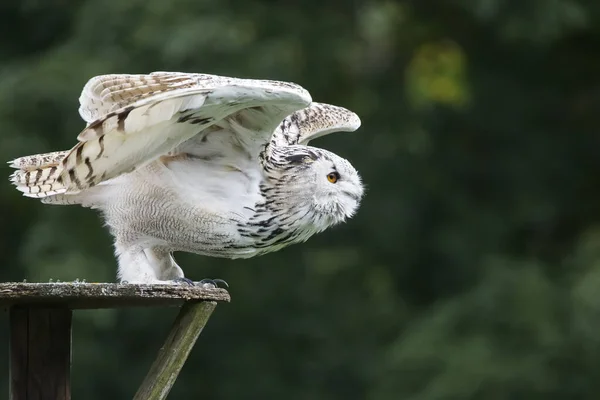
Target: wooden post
x,y
40,353
40,331
171,357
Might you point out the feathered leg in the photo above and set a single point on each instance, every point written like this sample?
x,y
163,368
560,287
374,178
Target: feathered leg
x,y
171,270
151,265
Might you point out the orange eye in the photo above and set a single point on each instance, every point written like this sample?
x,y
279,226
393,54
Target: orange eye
x,y
333,177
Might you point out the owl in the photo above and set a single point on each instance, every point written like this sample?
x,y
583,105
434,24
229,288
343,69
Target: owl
x,y
198,163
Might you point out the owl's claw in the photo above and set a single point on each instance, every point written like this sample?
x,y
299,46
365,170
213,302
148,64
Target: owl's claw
x,y
213,282
183,281
221,281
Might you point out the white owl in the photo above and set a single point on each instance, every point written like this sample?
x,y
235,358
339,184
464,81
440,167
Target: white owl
x,y
198,163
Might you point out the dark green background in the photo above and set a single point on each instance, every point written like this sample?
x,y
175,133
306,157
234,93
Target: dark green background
x,y
472,270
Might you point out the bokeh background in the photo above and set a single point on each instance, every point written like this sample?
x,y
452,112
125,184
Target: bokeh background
x,y
472,270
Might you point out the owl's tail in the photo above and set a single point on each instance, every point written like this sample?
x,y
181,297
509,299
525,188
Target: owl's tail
x,y
38,175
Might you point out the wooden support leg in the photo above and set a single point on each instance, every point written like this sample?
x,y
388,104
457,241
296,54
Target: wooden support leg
x,y
171,357
40,353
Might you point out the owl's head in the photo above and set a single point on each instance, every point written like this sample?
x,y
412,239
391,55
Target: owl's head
x,y
325,182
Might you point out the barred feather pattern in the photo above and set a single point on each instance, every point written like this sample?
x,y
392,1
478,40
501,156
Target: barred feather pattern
x,y
141,117
314,121
37,175
105,94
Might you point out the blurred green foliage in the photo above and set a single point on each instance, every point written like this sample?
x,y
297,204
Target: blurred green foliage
x,y
471,270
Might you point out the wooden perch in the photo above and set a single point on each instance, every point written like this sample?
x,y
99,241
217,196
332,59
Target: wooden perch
x,y
105,295
40,331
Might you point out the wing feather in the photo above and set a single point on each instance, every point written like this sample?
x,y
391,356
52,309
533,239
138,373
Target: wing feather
x,y
316,120
107,93
36,174
145,116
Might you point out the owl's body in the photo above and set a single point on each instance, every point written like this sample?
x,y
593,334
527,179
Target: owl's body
x,y
199,163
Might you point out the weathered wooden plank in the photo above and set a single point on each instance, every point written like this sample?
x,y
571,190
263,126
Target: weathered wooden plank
x,y
40,353
19,349
105,295
185,331
40,327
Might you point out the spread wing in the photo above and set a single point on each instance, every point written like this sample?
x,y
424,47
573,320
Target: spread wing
x,y
316,120
107,93
133,119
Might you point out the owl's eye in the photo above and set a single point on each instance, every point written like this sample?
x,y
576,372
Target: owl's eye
x,y
333,177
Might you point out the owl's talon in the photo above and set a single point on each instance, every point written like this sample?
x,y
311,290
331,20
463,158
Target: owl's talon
x,y
183,281
221,281
213,282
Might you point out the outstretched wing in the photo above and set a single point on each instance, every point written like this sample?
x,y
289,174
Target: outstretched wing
x,y
314,121
133,119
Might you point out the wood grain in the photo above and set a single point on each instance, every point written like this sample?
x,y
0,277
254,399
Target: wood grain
x,y
40,353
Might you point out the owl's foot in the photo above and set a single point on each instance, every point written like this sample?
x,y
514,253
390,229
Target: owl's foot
x,y
205,283
213,282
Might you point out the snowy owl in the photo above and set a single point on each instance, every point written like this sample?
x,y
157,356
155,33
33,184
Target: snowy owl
x,y
198,163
